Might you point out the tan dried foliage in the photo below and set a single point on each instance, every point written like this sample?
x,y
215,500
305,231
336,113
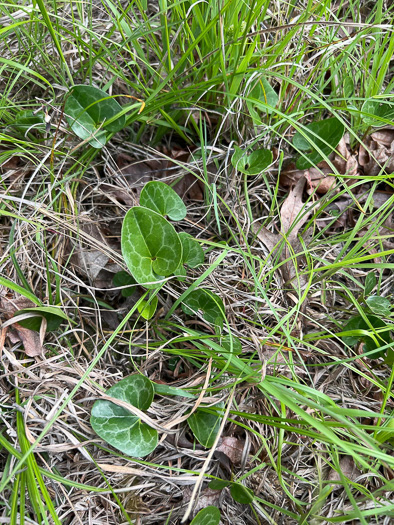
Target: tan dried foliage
x,y
138,173
207,498
233,448
293,216
348,469
30,339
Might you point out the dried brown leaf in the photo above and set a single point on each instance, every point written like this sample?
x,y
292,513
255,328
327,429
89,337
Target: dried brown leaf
x,y
10,305
120,194
233,448
207,497
348,469
30,340
269,239
351,166
291,220
92,262
291,224
138,173
342,156
380,156
384,137
319,179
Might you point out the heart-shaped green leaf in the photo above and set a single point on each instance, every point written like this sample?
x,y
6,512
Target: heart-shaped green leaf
x,y
370,282
27,120
150,246
376,110
205,426
218,484
54,317
161,198
262,93
324,134
379,305
232,344
123,278
180,273
241,494
193,254
208,516
87,109
147,309
254,163
358,323
210,303
119,427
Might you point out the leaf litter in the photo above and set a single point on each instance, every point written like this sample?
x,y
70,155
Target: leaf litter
x,y
31,340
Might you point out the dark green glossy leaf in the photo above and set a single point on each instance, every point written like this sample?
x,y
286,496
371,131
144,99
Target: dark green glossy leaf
x,y
218,484
208,516
324,134
180,273
150,246
54,317
210,303
376,110
161,198
205,426
241,494
358,323
193,254
87,109
379,305
27,120
123,278
370,282
119,427
251,164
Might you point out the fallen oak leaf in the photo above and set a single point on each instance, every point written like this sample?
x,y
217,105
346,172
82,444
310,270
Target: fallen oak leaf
x,y
30,339
319,179
233,448
292,219
348,469
293,205
384,137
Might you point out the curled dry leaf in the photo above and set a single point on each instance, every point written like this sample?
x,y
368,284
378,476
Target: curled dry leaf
x,y
348,469
293,216
233,448
384,137
30,340
15,169
207,497
138,173
10,305
292,207
377,151
319,179
343,154
93,259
